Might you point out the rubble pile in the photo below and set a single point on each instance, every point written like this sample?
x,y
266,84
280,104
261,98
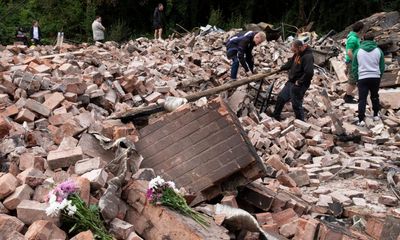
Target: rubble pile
x,y
59,120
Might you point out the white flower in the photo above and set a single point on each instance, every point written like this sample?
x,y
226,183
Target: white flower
x,y
71,209
52,198
171,184
155,182
63,204
53,209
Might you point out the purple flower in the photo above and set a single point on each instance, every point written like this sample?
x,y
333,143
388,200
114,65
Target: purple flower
x,y
68,187
149,194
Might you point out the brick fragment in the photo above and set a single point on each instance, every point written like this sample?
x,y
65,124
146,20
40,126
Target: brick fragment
x,y
23,192
64,158
8,184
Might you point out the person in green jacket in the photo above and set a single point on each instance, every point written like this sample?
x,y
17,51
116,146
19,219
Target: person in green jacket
x,y
368,66
352,44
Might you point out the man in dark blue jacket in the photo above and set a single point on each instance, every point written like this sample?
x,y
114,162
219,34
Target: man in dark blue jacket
x,y
239,47
301,71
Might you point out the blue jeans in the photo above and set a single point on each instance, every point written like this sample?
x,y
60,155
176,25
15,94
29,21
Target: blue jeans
x,y
235,67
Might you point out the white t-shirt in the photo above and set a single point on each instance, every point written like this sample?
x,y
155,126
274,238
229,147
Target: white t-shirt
x,y
35,33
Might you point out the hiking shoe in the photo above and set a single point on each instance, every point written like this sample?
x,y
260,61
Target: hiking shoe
x,y
349,99
377,118
361,124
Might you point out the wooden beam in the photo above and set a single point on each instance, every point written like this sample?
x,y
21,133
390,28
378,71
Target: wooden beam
x,y
195,96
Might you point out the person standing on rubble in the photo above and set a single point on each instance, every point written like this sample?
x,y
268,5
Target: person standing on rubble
x,y
239,47
301,71
35,33
158,21
98,30
352,44
368,66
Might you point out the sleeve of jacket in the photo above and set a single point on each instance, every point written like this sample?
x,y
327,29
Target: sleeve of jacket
x,y
287,65
102,27
242,50
382,63
308,69
354,65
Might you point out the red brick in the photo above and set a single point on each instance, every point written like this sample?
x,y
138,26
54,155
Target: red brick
x,y
60,119
5,127
327,233
388,200
8,224
87,235
54,100
41,69
30,211
285,216
25,115
230,201
23,192
374,227
270,227
28,160
64,158
306,229
10,111
286,180
275,161
264,218
8,184
37,107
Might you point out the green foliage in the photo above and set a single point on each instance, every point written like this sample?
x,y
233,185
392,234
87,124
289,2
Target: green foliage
x,y
216,18
119,31
74,17
236,21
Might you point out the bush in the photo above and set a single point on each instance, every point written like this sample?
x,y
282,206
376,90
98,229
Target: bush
x,y
216,18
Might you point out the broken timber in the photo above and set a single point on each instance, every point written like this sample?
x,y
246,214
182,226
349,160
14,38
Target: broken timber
x,y
136,112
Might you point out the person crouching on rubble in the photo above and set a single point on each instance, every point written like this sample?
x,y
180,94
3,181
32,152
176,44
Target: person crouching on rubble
x,y
368,66
301,71
239,47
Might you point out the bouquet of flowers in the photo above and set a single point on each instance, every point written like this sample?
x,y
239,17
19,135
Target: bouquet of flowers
x,y
165,193
65,202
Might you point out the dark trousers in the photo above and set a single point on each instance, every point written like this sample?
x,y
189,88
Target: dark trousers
x,y
364,86
232,54
295,94
36,41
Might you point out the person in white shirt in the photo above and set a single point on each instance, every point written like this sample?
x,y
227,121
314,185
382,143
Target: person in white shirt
x,y
98,30
35,33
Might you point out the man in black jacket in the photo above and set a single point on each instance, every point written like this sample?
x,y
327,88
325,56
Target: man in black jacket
x,y
239,47
158,21
36,34
301,71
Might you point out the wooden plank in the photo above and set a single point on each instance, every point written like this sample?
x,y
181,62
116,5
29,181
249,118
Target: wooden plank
x,y
390,79
339,67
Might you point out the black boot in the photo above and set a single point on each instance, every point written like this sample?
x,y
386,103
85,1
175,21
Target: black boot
x,y
349,99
